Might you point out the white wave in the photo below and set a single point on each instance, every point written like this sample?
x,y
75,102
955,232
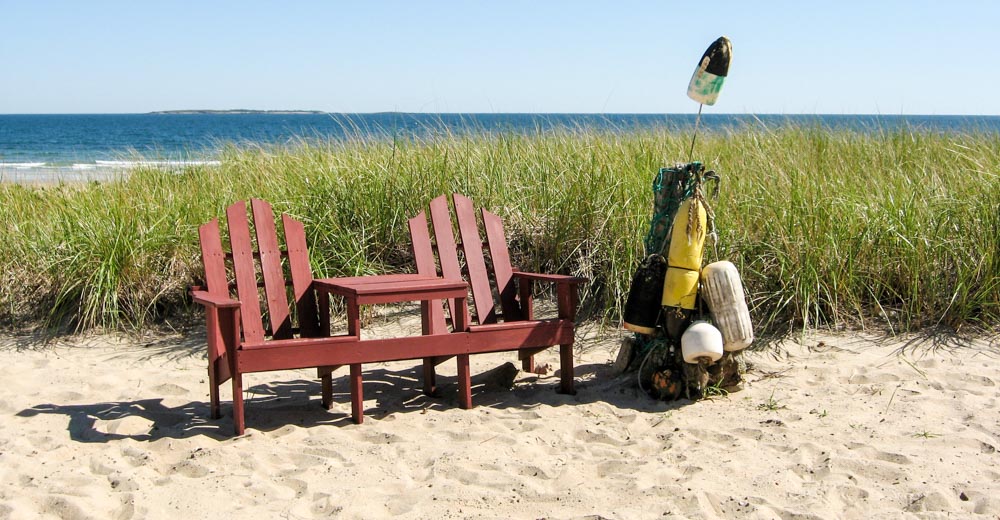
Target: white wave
x,y
22,165
167,164
79,166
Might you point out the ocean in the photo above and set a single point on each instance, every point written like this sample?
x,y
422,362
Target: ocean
x,y
95,146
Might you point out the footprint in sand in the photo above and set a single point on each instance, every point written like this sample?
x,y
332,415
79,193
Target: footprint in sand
x,y
869,468
933,501
723,439
863,378
325,505
534,472
190,469
62,507
983,504
592,436
127,509
169,389
304,461
328,456
530,415
852,494
383,438
299,487
872,453
100,467
615,468
688,472
68,396
120,482
399,505
749,433
135,456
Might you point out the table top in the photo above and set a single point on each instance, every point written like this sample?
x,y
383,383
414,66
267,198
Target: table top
x,y
394,288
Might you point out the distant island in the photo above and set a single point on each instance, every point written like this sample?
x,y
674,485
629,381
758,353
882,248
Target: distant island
x,y
239,111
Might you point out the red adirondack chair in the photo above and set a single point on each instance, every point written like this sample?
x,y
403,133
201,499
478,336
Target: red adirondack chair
x,y
506,323
243,339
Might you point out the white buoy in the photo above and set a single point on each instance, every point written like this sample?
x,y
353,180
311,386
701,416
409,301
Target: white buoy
x,y
701,340
722,290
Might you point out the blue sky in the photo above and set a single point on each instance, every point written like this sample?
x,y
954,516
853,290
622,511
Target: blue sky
x,y
882,57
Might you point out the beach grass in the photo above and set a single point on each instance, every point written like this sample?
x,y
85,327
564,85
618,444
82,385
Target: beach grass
x,y
897,229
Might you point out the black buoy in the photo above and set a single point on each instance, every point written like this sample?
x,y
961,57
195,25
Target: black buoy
x,y
642,308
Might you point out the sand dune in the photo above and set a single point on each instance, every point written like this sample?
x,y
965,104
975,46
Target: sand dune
x,y
826,427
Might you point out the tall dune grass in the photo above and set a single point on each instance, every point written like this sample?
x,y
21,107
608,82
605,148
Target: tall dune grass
x,y
829,228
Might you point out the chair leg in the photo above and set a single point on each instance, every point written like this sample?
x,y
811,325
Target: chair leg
x,y
528,364
327,382
239,425
566,369
430,378
464,382
213,393
357,395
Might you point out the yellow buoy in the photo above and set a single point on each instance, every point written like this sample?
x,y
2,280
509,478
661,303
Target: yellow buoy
x,y
680,288
687,242
687,238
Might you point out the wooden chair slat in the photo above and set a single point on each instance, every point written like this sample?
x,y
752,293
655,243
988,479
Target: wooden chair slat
x,y
423,251
301,273
214,258
496,241
423,255
245,271
271,270
445,237
472,244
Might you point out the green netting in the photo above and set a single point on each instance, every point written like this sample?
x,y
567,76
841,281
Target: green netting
x,y
671,187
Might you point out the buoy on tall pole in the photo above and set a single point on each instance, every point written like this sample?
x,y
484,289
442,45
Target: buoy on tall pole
x,y
706,82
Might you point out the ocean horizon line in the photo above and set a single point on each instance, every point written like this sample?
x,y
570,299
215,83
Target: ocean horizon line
x,y
418,113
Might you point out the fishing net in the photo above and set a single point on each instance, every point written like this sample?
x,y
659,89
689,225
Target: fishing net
x,y
656,358
671,187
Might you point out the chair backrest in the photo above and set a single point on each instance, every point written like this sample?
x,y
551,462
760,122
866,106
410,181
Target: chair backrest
x,y
256,261
488,270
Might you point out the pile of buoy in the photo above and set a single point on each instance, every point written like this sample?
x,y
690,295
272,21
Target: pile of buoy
x,y
683,312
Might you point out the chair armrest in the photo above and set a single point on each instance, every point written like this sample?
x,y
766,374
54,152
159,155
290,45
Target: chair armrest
x,y
567,288
213,300
557,278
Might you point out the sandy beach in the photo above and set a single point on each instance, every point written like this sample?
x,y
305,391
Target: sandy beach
x,y
846,426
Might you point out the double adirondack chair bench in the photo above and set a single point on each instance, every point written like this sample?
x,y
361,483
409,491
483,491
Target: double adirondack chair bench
x,y
244,338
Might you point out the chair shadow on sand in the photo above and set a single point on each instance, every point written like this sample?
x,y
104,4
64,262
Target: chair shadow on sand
x,y
278,404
